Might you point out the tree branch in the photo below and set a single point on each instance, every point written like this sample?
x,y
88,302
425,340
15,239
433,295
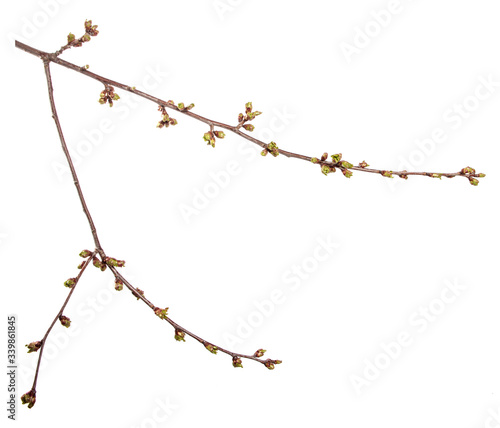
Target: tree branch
x,y
327,167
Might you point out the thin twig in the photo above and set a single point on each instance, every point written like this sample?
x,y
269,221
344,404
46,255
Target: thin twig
x,y
44,339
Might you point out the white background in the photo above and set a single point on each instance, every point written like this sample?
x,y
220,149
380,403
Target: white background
x,y
398,244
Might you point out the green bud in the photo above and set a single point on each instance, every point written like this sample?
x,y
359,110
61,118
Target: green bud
x,y
65,321
269,364
436,176
336,158
325,169
473,181
387,174
110,261
85,254
481,175
324,156
118,285
219,134
71,37
314,160
249,127
161,313
86,38
237,362
468,170
29,398
259,353
264,152
34,346
211,348
116,97
346,164
173,121
190,106
181,106
70,282
179,335
347,173
248,107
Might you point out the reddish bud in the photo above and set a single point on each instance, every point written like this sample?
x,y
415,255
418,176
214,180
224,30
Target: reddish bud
x,y
137,293
65,321
179,335
259,353
34,346
237,362
29,398
118,285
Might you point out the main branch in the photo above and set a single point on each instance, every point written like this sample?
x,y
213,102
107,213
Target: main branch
x,y
327,167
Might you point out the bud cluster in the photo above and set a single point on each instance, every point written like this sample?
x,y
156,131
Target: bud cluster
x,y
209,136
166,120
249,115
65,321
271,148
108,96
29,398
270,363
470,173
161,313
73,42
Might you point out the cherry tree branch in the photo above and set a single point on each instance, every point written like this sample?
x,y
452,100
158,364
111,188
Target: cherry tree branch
x,y
180,332
30,397
108,96
327,167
